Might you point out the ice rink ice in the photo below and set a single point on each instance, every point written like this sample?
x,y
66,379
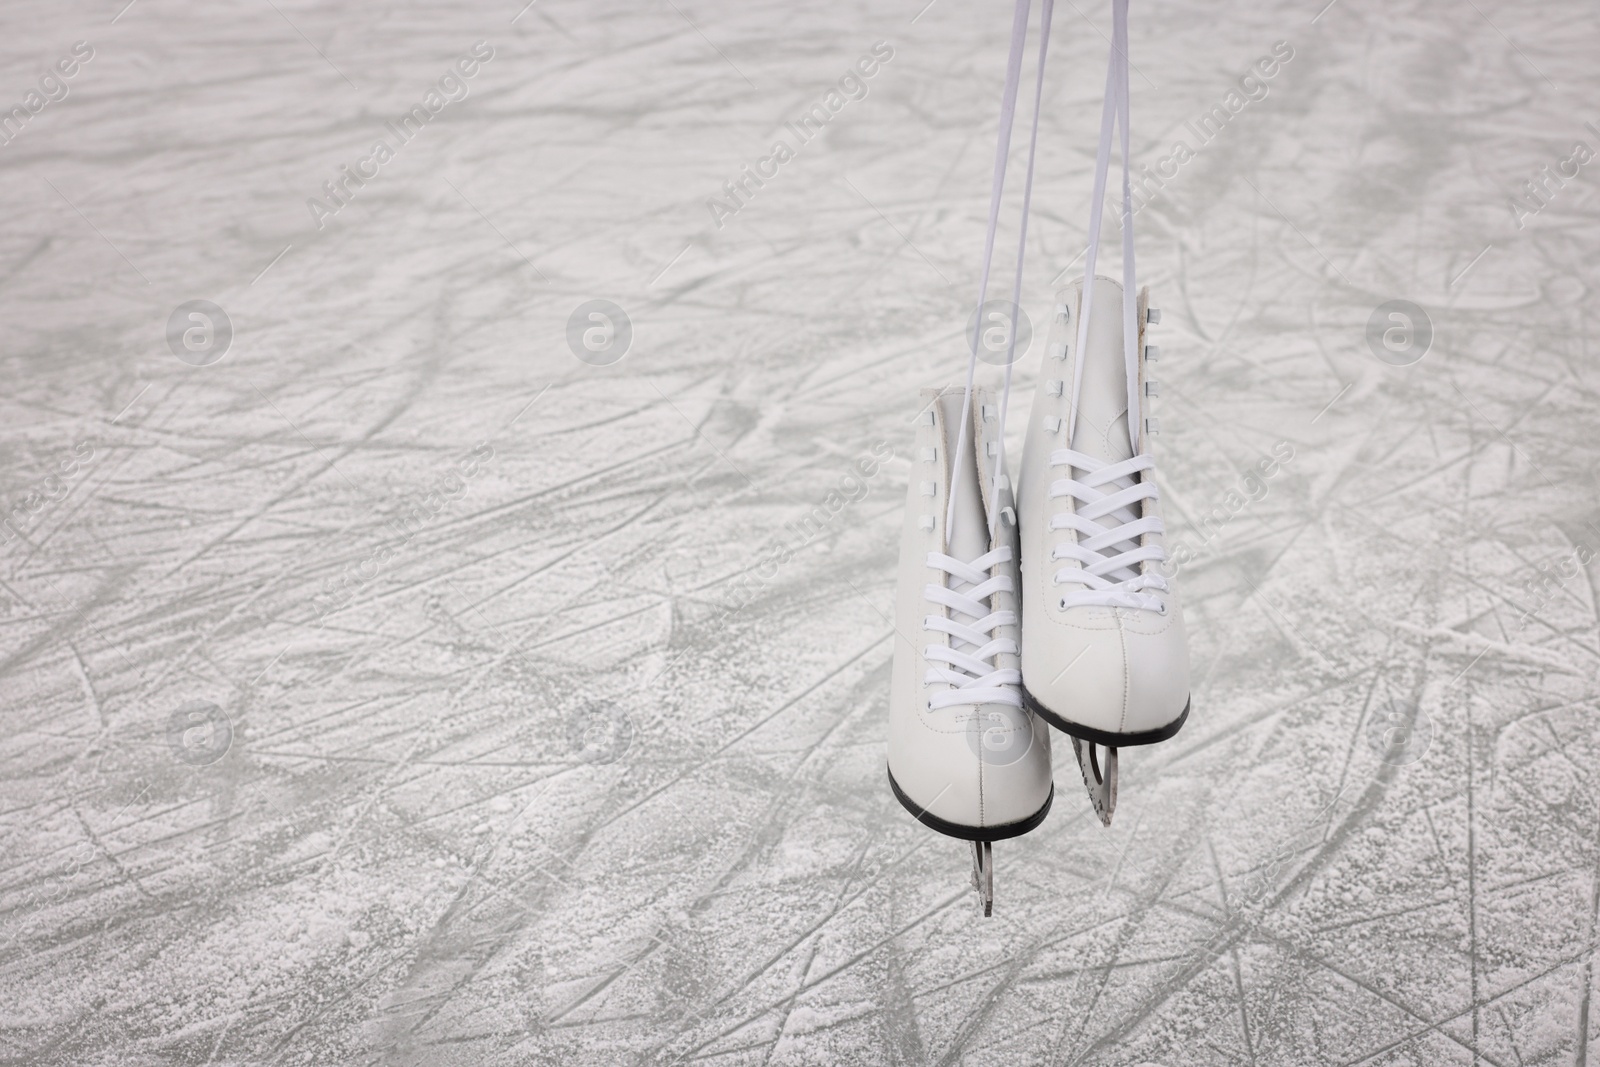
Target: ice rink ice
x,y
383,683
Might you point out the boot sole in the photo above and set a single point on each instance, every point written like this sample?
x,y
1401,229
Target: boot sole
x,y
1106,737
971,833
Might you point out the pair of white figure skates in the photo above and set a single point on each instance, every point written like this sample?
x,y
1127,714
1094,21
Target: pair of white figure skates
x,y
1047,606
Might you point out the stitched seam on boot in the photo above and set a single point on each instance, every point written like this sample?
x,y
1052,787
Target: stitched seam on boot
x,y
1127,684
982,821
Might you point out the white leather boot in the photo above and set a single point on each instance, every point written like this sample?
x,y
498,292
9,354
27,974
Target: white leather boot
x,y
1104,656
965,757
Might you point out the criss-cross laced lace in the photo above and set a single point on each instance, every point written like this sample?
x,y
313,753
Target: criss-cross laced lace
x,y
970,669
1107,504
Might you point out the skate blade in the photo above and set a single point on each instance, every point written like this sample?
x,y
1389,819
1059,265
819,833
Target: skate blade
x,y
983,875
1100,779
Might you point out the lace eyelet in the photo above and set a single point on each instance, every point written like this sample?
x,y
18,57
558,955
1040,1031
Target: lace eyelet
x,y
1062,603
1163,611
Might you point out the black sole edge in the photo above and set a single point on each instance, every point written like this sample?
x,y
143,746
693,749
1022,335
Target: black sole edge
x,y
1106,737
971,833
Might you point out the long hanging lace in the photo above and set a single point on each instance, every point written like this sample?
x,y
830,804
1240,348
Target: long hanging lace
x,y
1008,108
1109,496
971,670
1113,116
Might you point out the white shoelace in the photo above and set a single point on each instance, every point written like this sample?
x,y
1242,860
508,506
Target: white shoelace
x,y
1113,115
971,670
1108,552
973,676
1008,107
1107,497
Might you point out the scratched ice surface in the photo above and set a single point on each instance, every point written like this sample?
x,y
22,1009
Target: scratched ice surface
x,y
400,688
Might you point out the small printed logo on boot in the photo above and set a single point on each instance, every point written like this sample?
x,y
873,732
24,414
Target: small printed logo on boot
x,y
599,732
1000,735
1399,333
1000,319
1399,733
200,733
599,332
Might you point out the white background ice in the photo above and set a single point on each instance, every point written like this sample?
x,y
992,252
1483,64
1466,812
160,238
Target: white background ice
x,y
558,777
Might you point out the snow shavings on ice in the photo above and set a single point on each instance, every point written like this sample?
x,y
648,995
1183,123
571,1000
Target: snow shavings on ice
x,y
402,688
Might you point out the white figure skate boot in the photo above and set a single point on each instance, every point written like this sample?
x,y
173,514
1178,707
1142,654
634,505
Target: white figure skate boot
x,y
965,757
1104,656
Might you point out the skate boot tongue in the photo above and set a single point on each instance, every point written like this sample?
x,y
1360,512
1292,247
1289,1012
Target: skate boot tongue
x,y
1102,429
968,536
